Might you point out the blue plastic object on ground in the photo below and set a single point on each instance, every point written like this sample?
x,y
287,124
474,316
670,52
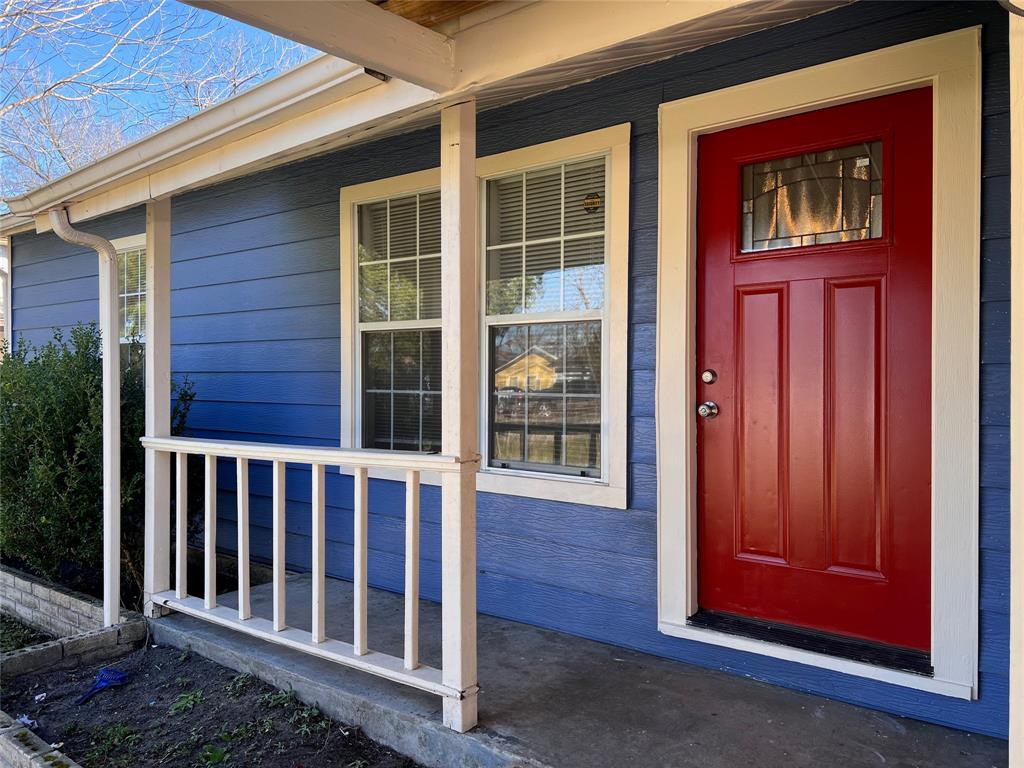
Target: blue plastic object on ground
x,y
105,678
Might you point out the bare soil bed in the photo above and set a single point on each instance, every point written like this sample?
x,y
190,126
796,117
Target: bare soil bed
x,y
181,710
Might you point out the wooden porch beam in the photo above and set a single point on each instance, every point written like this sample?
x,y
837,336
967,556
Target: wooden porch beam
x,y
157,572
357,31
460,369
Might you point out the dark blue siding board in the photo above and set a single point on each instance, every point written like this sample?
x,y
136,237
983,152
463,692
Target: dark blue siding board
x,y
641,393
995,336
296,226
268,293
256,313
995,634
318,421
318,321
995,152
643,204
995,207
995,269
995,459
643,299
642,448
67,268
259,263
995,519
643,252
293,355
56,315
995,394
995,574
994,66
56,292
643,488
643,341
311,388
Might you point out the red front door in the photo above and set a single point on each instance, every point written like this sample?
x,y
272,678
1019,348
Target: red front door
x,y
814,315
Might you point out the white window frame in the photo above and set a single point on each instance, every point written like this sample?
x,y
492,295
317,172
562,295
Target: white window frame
x,y
124,245
610,489
951,65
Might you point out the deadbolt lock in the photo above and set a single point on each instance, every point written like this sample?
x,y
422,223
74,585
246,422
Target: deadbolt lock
x,y
709,376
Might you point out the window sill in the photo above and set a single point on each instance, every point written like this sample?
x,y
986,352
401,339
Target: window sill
x,y
547,488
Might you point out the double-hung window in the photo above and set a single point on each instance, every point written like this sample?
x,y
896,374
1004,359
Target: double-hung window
x,y
544,298
553,282
131,286
398,252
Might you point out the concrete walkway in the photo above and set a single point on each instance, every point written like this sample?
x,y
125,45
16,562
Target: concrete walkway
x,y
549,699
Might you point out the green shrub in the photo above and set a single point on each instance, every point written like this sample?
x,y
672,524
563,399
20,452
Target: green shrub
x,y
51,460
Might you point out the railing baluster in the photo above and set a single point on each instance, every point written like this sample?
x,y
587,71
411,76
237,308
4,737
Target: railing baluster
x,y
279,538
406,668
319,553
210,533
412,569
181,526
242,493
359,545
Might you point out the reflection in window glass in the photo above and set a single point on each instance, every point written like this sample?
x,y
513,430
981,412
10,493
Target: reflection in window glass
x,y
399,257
545,239
822,197
545,409
132,293
401,390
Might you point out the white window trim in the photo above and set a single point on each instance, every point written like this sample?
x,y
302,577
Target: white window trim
x,y
951,64
123,245
610,491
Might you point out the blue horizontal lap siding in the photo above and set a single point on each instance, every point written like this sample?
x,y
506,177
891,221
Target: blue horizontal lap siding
x,y
56,284
256,321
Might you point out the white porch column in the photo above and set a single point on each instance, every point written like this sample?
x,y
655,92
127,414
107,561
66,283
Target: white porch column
x,y
460,352
157,576
1017,388
6,273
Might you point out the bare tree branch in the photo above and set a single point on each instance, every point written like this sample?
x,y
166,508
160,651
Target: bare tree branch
x,y
81,78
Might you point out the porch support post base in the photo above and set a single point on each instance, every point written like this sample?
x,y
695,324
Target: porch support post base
x,y
153,610
460,714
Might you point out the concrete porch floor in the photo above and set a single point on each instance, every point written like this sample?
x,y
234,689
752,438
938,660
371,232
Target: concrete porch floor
x,y
550,699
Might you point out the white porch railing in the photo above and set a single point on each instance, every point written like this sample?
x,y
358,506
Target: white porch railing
x,y
357,654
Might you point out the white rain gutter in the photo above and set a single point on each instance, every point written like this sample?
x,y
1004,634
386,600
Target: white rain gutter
x,y
111,338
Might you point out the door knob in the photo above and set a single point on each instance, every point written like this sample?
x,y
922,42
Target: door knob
x,y
707,410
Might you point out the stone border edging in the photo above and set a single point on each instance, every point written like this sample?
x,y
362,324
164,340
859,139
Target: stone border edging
x,y
46,606
80,649
20,748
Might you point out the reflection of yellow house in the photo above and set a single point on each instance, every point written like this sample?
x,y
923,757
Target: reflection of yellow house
x,y
535,368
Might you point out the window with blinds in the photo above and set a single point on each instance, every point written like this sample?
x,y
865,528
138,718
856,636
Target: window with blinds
x,y
398,284
132,293
545,318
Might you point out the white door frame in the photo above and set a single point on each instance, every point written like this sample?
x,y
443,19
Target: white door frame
x,y
951,65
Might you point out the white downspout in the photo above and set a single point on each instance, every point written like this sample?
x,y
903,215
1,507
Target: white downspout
x,y
111,339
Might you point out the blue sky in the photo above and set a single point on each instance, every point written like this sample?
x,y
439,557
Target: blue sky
x,y
181,49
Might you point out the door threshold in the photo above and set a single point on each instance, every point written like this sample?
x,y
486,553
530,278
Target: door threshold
x,y
878,654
